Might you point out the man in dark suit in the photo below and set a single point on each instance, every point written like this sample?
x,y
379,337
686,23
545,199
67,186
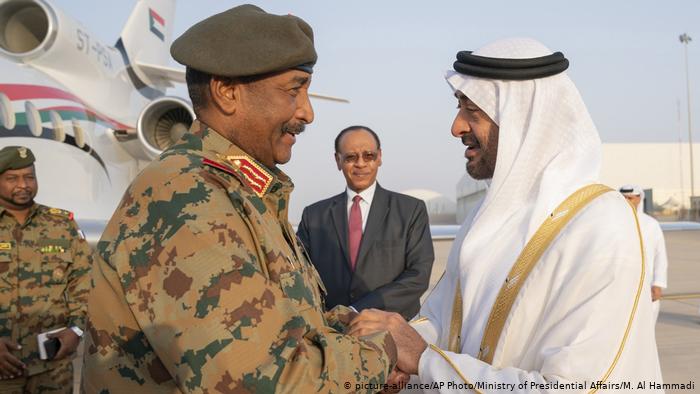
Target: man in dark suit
x,y
371,246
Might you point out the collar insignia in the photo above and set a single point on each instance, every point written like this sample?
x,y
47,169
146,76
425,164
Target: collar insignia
x,y
5,246
258,178
218,166
61,212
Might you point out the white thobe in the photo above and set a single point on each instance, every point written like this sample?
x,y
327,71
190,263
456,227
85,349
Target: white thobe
x,y
657,261
567,324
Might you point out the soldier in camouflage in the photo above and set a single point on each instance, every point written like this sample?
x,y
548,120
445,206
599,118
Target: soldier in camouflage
x,y
44,281
201,285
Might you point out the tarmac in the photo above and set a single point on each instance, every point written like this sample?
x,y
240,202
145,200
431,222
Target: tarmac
x,y
678,326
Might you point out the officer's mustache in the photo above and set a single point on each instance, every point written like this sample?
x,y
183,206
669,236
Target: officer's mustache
x,y
290,128
12,201
22,191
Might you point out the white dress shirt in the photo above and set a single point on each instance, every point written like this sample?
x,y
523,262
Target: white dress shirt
x,y
365,204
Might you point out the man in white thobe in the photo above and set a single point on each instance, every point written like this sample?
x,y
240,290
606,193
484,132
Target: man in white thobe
x,y
654,246
582,320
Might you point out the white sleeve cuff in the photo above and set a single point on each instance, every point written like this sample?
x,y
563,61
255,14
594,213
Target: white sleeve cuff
x,y
77,331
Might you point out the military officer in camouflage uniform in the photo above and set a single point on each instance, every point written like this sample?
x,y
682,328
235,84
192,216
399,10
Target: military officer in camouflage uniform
x,y
44,281
202,285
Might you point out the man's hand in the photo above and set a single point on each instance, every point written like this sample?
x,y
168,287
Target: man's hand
x,y
655,293
409,344
69,342
10,366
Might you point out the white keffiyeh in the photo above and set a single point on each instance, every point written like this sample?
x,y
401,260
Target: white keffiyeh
x,y
568,321
548,148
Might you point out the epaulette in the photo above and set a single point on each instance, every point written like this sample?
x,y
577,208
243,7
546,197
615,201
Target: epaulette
x,y
61,213
257,177
219,166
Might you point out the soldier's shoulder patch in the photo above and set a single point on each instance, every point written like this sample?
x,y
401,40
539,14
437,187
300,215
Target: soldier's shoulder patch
x,y
256,177
219,166
60,212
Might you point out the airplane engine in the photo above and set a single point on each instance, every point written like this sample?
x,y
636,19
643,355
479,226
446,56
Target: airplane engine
x,y
161,123
34,32
28,28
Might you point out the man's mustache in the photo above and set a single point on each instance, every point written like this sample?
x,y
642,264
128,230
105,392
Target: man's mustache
x,y
294,128
469,141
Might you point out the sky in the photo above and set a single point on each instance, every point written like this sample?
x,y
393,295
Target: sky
x,y
389,57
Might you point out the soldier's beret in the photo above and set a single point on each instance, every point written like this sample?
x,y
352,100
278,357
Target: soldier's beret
x,y
246,41
15,157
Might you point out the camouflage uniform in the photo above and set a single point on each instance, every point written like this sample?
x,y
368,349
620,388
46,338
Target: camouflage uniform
x,y
203,287
44,284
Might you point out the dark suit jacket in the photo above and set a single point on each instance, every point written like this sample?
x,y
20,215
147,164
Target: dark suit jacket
x,y
395,257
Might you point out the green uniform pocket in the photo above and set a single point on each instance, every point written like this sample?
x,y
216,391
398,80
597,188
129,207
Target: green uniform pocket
x,y
56,260
5,270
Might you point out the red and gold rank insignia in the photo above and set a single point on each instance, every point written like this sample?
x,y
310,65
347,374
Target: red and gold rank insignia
x,y
61,212
258,179
218,166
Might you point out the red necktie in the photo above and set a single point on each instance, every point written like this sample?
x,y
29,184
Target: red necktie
x,y
355,234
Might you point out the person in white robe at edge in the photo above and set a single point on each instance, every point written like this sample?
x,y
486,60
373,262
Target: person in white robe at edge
x,y
654,245
583,315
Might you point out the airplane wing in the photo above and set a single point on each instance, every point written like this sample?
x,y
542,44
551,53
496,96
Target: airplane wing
x,y
166,76
329,98
162,75
679,226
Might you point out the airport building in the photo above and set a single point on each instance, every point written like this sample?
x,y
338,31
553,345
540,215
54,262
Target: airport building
x,y
441,210
661,169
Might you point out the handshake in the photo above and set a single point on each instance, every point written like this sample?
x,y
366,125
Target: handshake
x,y
409,344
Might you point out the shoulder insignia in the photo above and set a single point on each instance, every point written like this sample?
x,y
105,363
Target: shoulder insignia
x,y
258,178
61,212
218,166
5,246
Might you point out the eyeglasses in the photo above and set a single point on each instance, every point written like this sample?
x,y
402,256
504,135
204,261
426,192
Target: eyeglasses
x,y
367,156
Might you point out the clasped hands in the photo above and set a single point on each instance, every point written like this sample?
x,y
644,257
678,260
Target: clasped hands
x,y
409,344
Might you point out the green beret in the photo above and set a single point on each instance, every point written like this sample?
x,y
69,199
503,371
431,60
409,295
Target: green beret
x,y
246,41
15,157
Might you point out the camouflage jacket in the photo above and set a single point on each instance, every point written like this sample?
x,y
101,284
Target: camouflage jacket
x,y
44,281
202,286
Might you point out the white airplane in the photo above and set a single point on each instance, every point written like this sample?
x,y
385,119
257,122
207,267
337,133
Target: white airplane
x,y
93,114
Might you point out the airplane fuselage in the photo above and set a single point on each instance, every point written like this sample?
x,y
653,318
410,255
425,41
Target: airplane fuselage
x,y
93,114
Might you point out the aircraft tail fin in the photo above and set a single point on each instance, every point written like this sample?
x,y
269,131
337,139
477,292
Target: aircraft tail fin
x,y
147,35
